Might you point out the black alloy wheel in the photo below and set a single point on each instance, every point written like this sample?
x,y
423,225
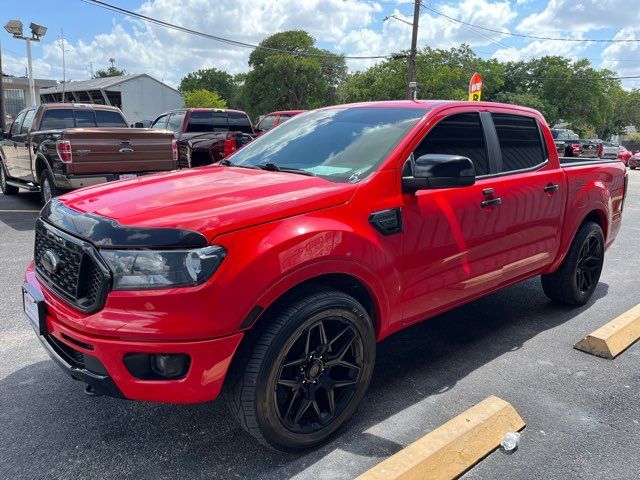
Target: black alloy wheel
x,y
590,261
318,375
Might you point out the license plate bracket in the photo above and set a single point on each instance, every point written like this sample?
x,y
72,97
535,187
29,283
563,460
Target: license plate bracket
x,y
34,308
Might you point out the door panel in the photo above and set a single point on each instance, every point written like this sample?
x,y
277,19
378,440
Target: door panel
x,y
10,147
24,155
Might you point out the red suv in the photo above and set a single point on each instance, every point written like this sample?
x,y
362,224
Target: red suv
x,y
276,271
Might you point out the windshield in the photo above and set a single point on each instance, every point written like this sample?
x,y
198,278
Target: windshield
x,y
339,144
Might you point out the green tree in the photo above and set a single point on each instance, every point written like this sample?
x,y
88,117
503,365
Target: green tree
x,y
210,79
203,99
109,72
279,81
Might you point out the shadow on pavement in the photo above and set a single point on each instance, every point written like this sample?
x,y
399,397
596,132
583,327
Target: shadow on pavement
x,y
50,429
19,212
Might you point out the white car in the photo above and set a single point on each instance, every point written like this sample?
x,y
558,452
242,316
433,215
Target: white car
x,y
608,150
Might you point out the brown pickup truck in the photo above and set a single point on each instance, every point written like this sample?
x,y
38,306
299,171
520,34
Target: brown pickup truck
x,y
63,146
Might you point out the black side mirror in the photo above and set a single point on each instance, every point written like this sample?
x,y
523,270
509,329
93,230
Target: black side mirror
x,y
440,171
138,125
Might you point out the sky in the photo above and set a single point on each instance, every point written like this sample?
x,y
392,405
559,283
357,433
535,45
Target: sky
x,y
351,27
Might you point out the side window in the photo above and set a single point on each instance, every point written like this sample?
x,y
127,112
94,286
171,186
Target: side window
x,y
459,134
109,118
58,118
85,118
17,123
160,123
520,141
239,122
283,118
28,121
175,121
267,123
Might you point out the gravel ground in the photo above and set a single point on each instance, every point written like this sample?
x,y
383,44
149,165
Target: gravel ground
x,y
582,412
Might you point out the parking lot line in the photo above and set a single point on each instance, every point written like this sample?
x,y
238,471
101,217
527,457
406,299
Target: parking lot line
x,y
19,211
613,338
450,450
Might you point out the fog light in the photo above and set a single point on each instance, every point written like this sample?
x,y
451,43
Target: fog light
x,y
170,365
160,366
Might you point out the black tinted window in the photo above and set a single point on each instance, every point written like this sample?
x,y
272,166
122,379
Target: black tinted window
x,y
339,144
239,122
109,118
458,135
58,118
85,118
520,141
208,122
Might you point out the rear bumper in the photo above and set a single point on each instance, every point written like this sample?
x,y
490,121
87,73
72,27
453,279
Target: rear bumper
x,y
99,361
72,182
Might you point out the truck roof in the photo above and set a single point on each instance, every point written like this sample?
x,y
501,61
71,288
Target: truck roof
x,y
429,104
93,106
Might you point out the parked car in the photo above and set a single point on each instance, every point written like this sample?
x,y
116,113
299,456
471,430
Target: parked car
x,y
608,150
567,142
273,119
589,148
634,161
206,135
624,154
276,271
62,146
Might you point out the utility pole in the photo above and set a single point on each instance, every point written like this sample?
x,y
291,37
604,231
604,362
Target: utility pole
x,y
3,116
414,44
64,67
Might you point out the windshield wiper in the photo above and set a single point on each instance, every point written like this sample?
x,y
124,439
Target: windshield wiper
x,y
272,167
228,163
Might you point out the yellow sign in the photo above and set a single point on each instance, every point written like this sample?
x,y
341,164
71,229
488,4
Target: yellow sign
x,y
475,88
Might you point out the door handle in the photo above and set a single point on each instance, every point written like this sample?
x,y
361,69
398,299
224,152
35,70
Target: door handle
x,y
552,187
491,203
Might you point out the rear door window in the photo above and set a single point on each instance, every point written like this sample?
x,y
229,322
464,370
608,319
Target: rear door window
x,y
85,118
58,118
520,141
175,121
109,118
459,134
267,123
160,123
204,121
239,122
28,121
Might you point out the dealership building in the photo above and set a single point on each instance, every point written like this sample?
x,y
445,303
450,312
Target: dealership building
x,y
140,97
16,92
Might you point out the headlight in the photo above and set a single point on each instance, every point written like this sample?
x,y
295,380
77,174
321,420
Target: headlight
x,y
145,269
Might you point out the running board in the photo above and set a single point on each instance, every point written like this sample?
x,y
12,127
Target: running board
x,y
26,186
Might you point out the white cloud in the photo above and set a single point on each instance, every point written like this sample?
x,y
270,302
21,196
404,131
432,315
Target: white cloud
x,y
541,48
623,57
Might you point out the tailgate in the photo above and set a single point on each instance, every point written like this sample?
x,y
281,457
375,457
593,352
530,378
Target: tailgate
x,y
119,150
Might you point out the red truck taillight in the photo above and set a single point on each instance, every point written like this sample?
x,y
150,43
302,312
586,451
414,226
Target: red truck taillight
x,y
63,147
174,150
229,146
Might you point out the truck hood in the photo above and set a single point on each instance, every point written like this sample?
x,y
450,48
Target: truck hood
x,y
209,200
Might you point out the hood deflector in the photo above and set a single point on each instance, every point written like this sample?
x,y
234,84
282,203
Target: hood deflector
x,y
108,233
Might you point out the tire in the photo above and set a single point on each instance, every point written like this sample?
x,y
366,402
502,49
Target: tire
x,y
48,189
577,278
6,189
293,386
632,168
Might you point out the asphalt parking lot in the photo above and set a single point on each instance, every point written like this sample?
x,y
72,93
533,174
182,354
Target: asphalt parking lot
x,y
582,412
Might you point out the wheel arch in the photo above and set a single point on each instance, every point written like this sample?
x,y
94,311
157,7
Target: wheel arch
x,y
41,164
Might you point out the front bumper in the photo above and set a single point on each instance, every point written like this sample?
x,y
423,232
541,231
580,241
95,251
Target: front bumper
x,y
99,361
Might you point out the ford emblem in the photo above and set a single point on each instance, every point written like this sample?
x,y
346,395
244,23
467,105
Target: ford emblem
x,y
50,262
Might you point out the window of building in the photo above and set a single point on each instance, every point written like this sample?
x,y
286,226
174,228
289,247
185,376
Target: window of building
x,y
460,134
520,141
14,101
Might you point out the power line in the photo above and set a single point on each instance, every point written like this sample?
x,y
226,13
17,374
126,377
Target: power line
x,y
228,41
534,37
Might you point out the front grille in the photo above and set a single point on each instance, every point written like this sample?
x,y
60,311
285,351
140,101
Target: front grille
x,y
78,278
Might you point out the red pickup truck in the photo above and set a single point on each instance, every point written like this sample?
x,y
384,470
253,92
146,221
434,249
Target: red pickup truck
x,y
274,273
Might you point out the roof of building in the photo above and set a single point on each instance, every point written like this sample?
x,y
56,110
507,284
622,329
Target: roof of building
x,y
98,83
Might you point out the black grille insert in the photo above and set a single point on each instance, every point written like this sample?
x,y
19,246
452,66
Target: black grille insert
x,y
79,278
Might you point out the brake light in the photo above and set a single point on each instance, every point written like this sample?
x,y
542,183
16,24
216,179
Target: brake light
x,y
63,147
229,146
174,150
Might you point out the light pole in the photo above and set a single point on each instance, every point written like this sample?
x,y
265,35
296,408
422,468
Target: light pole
x,y
14,27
